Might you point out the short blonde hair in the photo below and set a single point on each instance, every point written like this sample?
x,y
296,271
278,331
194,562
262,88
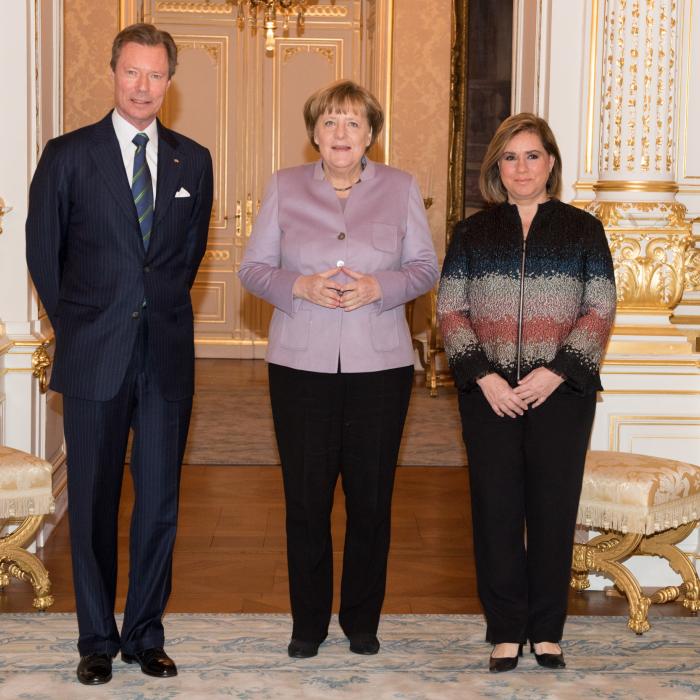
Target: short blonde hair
x,y
490,183
337,98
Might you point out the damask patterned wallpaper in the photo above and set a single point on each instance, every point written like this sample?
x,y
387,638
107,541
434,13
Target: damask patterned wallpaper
x,y
89,28
421,96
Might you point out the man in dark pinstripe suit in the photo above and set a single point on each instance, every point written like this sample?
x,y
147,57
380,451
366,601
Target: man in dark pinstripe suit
x,y
117,226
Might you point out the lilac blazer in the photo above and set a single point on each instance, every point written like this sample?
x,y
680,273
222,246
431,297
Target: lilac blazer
x,y
302,229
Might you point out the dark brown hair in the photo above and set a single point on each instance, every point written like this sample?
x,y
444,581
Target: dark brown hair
x,y
146,35
490,183
337,98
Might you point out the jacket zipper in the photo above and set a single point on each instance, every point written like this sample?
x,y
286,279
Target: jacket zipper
x,y
520,307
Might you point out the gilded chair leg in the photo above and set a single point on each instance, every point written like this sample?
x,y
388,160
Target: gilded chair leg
x,y
4,576
24,566
603,555
579,568
663,545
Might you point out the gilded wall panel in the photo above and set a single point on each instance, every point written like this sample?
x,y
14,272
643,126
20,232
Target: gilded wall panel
x,y
89,28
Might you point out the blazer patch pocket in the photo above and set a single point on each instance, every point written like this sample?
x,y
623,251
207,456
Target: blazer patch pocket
x,y
296,329
384,331
385,237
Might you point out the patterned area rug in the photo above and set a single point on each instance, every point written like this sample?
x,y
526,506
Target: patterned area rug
x,y
423,657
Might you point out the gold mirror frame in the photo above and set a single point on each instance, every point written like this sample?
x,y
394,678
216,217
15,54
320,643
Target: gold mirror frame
x,y
458,103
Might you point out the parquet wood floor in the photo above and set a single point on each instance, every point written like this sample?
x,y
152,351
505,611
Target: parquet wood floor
x,y
230,554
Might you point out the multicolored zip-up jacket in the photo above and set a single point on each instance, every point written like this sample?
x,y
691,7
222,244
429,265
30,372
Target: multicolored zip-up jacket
x,y
509,305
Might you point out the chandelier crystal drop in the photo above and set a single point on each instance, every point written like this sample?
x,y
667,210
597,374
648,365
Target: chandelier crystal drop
x,y
265,14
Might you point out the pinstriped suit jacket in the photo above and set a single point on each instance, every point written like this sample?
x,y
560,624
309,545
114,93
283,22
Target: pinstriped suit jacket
x,y
87,260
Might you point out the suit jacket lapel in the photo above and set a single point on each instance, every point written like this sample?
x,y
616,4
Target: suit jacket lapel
x,y
109,163
169,164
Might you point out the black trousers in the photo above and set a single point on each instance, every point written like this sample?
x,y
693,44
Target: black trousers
x,y
326,425
525,477
96,438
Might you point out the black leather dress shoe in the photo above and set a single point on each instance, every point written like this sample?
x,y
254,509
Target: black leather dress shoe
x,y
95,669
499,664
298,649
366,644
552,661
153,662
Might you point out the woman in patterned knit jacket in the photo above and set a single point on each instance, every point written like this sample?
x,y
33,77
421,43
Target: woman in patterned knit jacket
x,y
526,304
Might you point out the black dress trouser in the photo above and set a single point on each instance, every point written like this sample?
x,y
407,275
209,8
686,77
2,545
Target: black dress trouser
x,y
525,477
96,439
330,424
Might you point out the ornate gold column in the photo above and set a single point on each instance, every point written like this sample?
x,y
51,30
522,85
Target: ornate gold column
x,y
635,194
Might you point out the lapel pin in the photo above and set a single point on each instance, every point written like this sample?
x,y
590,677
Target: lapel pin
x,y
176,160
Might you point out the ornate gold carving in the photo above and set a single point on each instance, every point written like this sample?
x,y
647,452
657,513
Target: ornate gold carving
x,y
606,552
610,213
211,49
216,255
692,269
206,7
41,361
3,211
328,52
326,11
649,268
17,562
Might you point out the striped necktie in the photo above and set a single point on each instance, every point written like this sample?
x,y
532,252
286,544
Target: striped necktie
x,y
142,189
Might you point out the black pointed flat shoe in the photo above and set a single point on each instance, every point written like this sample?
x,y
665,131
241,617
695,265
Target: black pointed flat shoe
x,y
94,669
551,661
504,663
299,649
154,662
366,644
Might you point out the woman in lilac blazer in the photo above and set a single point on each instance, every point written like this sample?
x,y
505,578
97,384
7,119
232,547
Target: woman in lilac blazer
x,y
338,247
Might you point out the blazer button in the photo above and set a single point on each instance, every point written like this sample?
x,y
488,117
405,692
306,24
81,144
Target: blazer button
x,y
147,268
135,314
341,235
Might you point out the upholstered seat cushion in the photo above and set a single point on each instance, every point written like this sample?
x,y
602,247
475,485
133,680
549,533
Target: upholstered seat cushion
x,y
25,484
638,493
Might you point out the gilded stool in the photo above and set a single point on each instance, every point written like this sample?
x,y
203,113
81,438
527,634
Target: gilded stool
x,y
26,496
643,506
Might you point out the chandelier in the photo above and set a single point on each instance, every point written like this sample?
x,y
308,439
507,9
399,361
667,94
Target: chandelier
x,y
264,13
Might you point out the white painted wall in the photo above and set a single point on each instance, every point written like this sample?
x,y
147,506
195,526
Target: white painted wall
x,y
29,420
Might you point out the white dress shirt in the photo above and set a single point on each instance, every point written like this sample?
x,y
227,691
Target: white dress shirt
x,y
125,134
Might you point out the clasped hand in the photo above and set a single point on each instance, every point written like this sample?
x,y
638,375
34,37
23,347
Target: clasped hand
x,y
322,290
532,391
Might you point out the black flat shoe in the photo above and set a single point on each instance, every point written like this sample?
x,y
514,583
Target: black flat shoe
x,y
504,663
366,644
299,649
551,661
154,662
94,669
